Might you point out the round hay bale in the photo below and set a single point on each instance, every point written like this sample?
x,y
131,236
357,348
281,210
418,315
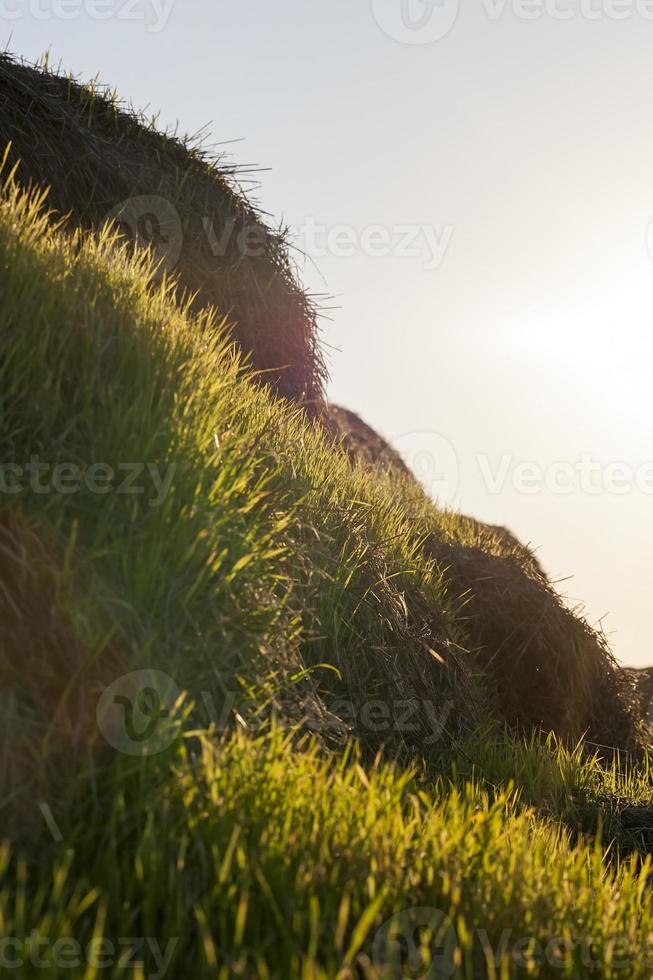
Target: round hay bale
x,y
102,162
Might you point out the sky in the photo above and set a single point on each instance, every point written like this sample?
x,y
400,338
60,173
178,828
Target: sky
x,y
470,189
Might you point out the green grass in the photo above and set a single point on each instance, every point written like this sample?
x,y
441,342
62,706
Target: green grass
x,y
265,857
269,554
275,572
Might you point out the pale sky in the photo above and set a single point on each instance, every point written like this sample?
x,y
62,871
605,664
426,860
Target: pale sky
x,y
508,148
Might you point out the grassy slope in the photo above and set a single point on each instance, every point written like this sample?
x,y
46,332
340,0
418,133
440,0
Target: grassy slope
x,y
542,665
265,854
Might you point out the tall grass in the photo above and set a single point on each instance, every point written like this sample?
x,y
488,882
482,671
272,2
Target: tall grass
x,y
263,565
265,857
267,557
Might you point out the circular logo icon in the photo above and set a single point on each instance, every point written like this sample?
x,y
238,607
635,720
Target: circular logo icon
x,y
415,21
434,461
153,222
416,944
136,713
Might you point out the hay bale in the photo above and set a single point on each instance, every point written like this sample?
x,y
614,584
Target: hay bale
x,y
359,440
546,667
101,160
640,680
543,665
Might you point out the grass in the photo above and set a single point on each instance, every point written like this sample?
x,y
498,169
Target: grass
x,y
268,559
262,856
331,756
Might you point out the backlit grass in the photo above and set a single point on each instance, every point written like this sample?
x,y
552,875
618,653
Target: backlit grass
x,y
257,565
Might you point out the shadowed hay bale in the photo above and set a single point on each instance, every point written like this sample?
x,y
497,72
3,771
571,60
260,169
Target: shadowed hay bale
x,y
359,440
95,156
544,665
641,679
51,674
